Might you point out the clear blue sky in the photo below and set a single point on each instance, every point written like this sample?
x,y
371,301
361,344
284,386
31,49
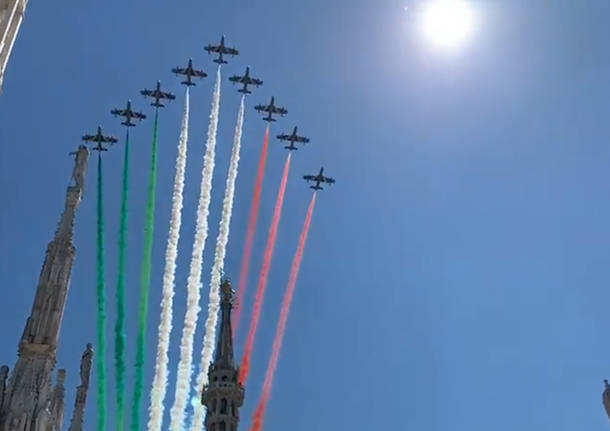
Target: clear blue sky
x,y
456,276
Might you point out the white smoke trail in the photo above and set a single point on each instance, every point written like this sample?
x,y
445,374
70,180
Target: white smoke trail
x,y
183,378
159,387
221,249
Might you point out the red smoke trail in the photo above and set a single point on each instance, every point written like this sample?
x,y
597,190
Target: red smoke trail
x,y
245,262
281,326
262,280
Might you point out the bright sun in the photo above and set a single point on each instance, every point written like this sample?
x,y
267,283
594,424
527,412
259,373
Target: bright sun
x,y
448,23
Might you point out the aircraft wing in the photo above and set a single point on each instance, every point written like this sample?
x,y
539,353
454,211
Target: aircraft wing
x,y
236,78
255,81
302,139
110,139
280,111
147,93
328,180
284,137
262,108
88,137
309,177
179,70
230,51
139,116
212,48
118,112
199,73
168,96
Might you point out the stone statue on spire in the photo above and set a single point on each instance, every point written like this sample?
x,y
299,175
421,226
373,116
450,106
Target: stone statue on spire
x,y
606,397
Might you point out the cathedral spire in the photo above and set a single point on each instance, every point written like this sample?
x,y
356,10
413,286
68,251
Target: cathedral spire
x,y
44,323
29,403
11,15
76,424
223,395
224,348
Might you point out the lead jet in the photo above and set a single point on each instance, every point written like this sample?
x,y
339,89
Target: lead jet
x,y
292,138
246,80
189,72
318,179
271,109
128,113
158,95
221,49
100,139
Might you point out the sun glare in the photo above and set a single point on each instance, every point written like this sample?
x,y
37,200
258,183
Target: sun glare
x,y
448,23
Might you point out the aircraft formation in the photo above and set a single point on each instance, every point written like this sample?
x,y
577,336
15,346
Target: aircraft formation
x,y
190,72
159,97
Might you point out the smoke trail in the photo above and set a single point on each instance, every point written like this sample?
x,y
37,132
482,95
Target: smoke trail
x,y
245,263
219,257
119,328
281,326
262,280
101,303
145,284
159,388
183,378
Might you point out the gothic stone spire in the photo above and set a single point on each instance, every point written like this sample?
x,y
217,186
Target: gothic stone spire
x,y
44,323
56,406
76,424
224,395
29,402
11,15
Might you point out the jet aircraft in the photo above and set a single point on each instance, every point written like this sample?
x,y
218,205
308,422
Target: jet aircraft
x,y
158,95
271,109
246,80
129,114
189,72
292,138
318,179
221,49
100,139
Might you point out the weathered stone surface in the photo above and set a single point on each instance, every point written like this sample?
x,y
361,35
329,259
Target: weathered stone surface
x,y
57,401
29,403
3,377
11,15
76,424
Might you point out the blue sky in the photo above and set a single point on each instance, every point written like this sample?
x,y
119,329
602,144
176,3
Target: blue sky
x,y
456,275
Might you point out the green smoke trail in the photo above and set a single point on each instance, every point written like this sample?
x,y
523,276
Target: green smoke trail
x,y
145,286
101,304
119,328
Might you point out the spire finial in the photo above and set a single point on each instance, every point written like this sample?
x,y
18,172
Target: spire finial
x,y
226,290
